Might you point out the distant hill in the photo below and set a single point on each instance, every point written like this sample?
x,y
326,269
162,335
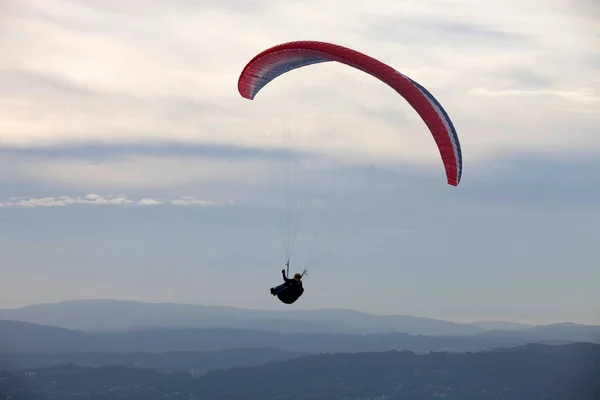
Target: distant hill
x,y
216,339
118,315
529,372
113,315
567,331
502,326
28,338
562,331
167,362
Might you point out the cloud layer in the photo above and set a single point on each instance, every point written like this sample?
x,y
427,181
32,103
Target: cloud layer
x,y
96,199
513,76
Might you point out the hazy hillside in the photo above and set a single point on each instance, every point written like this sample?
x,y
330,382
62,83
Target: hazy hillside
x,y
569,332
526,373
28,338
25,337
111,315
215,339
502,325
163,362
530,372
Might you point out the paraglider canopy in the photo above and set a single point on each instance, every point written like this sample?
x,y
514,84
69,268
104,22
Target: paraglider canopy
x,y
277,60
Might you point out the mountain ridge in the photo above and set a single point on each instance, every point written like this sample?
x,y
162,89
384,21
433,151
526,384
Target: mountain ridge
x,y
28,338
109,315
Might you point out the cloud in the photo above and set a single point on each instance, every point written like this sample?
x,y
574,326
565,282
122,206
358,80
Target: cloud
x,y
583,95
96,199
76,72
147,201
140,98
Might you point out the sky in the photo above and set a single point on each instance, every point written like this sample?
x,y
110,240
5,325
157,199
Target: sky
x,y
131,167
